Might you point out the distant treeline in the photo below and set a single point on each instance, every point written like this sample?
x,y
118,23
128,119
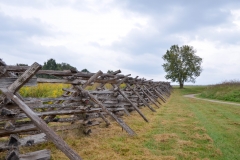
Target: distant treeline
x,y
51,64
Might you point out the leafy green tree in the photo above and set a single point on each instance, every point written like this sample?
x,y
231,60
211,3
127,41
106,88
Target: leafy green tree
x,y
182,65
50,65
65,66
85,70
110,71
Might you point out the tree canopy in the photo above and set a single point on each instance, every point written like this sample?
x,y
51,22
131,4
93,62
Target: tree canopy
x,y
110,71
51,64
182,65
85,70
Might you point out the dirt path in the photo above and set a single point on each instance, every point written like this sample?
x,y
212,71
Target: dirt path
x,y
216,101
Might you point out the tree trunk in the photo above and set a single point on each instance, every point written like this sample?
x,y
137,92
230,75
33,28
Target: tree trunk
x,y
181,85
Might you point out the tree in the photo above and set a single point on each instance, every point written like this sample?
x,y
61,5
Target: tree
x,y
50,65
65,66
182,65
85,70
110,71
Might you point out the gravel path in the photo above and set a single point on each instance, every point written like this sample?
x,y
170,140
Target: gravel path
x,y
216,101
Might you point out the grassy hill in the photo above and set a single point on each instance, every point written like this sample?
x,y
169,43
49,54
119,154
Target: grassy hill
x,y
227,91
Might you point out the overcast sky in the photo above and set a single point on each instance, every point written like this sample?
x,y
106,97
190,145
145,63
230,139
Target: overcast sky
x,y
130,35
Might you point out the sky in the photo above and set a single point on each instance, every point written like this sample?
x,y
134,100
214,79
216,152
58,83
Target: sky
x,y
130,35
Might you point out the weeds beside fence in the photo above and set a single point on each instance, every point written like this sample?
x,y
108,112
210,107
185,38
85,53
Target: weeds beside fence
x,y
44,90
53,89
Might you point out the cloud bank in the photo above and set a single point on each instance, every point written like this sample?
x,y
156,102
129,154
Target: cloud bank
x,y
128,35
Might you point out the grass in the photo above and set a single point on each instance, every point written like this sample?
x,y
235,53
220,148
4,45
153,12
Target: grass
x,y
227,91
190,89
53,89
43,90
183,128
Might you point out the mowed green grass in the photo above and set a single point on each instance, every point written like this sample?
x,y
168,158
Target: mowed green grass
x,y
222,125
196,129
183,128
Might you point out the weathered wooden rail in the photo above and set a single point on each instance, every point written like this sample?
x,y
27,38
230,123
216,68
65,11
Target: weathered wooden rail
x,y
24,116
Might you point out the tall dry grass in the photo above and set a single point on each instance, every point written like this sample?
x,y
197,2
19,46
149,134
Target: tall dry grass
x,y
54,89
44,90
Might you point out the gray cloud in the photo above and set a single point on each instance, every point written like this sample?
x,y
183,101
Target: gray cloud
x,y
15,41
183,16
189,17
154,7
138,43
40,4
144,68
14,30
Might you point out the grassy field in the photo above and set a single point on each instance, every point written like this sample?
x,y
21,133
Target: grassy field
x,y
44,90
183,128
228,91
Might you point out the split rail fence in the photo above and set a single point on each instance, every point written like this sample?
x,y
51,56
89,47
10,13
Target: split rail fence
x,y
30,117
